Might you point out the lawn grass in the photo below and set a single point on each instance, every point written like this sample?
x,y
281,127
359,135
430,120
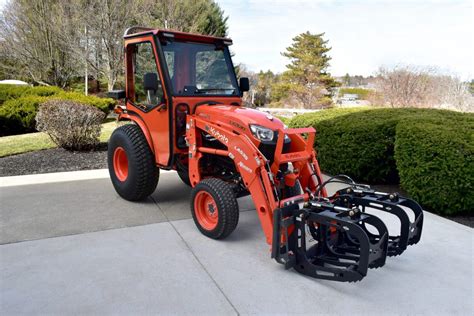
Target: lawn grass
x,y
17,144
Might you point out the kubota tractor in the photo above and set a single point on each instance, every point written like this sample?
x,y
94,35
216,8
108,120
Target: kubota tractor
x,y
184,101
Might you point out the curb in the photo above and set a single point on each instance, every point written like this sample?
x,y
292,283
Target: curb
x,y
56,177
53,177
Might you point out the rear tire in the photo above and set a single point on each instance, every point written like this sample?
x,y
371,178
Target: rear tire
x,y
214,208
132,167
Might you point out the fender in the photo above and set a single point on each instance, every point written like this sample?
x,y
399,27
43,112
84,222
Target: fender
x,y
139,121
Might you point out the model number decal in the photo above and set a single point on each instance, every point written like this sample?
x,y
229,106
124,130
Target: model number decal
x,y
241,165
241,152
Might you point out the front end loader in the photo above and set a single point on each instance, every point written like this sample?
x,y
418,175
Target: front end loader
x,y
184,105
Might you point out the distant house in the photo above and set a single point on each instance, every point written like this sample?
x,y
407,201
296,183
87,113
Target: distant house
x,y
349,97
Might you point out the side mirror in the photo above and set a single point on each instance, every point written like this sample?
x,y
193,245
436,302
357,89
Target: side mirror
x,y
244,84
116,94
150,81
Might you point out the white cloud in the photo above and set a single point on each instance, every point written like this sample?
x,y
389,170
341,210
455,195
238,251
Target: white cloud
x,y
363,34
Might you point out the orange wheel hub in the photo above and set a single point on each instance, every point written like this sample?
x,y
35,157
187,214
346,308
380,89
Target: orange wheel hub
x,y
120,164
206,211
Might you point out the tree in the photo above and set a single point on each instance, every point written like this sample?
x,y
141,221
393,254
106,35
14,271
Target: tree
x,y
263,90
405,86
53,41
347,80
307,80
30,32
199,16
413,86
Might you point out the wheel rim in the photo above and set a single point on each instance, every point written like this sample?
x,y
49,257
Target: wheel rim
x,y
206,211
120,164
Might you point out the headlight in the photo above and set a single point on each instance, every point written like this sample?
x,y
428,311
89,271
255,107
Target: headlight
x,y
262,133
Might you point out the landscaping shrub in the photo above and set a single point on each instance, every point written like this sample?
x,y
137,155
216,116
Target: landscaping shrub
x,y
285,120
17,116
436,163
361,92
312,119
360,143
103,104
8,92
71,125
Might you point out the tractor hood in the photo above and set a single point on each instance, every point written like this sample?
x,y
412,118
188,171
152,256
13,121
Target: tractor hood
x,y
238,117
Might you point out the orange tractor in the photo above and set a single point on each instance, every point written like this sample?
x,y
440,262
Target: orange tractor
x,y
184,101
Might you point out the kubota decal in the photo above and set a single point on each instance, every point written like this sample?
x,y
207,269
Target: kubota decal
x,y
218,135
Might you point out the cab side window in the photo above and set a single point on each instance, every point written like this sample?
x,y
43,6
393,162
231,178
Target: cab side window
x,y
147,85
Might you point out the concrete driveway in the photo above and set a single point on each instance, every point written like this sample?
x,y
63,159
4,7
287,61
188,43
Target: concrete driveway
x,y
75,247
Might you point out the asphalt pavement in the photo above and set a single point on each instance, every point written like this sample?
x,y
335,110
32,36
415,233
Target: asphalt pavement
x,y
71,245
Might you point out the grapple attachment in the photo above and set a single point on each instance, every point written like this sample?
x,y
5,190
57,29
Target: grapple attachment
x,y
363,197
336,239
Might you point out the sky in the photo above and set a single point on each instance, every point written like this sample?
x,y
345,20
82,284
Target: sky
x,y
364,35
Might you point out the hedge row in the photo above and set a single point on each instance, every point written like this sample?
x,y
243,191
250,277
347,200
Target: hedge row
x,y
17,116
8,91
18,111
361,92
436,164
362,145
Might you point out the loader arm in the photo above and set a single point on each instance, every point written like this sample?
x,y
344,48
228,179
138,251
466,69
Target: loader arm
x,y
257,174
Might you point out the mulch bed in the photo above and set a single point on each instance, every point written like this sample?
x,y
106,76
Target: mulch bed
x,y
53,160
59,160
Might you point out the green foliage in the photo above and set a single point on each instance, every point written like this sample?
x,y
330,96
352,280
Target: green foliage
x,y
17,113
313,119
436,163
307,78
17,116
103,104
198,16
8,91
285,120
359,144
263,88
362,93
427,150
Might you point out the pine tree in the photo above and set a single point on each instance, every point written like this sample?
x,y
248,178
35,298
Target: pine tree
x,y
307,79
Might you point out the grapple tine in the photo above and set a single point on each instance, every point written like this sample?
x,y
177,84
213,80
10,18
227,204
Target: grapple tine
x,y
410,232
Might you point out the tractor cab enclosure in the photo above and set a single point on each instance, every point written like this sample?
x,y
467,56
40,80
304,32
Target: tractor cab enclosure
x,y
168,76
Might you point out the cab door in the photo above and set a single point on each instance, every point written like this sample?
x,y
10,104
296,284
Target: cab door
x,y
146,96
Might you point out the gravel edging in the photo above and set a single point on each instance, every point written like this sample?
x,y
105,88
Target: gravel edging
x,y
53,160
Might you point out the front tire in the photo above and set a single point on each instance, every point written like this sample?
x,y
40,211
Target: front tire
x,y
214,208
131,163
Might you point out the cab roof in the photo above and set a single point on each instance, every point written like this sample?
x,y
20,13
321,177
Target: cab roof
x,y
137,31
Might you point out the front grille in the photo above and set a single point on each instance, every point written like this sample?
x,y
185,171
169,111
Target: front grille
x,y
268,148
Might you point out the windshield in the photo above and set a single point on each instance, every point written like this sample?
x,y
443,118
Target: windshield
x,y
197,69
